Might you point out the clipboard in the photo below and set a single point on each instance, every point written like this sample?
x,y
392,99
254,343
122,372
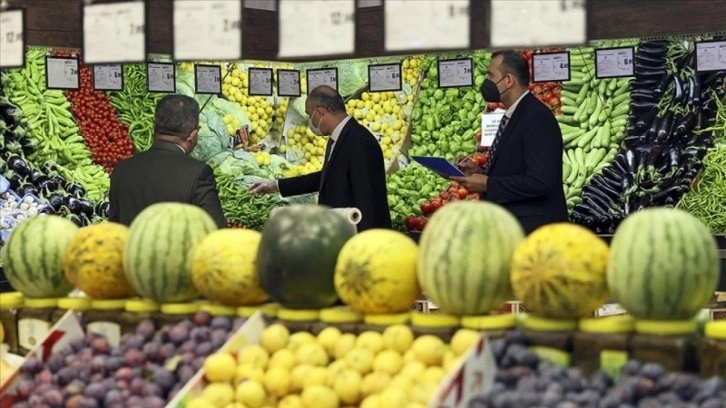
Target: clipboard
x,y
439,165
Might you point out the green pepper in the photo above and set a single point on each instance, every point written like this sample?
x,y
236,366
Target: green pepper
x,y
415,137
482,66
470,95
444,145
479,97
425,135
438,94
446,117
463,114
467,136
432,73
425,84
426,190
430,123
424,100
431,147
458,104
466,124
472,115
478,80
447,131
468,105
457,138
416,114
452,93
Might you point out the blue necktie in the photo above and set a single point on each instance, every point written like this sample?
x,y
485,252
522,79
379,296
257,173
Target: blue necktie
x,y
495,143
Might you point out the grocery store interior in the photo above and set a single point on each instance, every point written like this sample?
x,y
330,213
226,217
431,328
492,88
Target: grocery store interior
x,y
474,295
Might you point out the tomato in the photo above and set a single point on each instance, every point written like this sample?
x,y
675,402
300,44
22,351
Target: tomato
x,y
426,208
422,223
462,193
410,222
436,204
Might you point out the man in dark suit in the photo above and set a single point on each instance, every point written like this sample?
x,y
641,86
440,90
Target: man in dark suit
x,y
165,172
524,171
353,173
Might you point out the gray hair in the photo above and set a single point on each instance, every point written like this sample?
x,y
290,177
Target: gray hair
x,y
328,98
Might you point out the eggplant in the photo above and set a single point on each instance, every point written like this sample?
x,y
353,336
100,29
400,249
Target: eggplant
x,y
648,60
75,219
16,180
643,84
58,179
102,209
47,185
46,209
665,127
621,164
605,189
650,73
695,83
74,205
27,189
35,174
686,124
86,207
677,89
712,79
644,96
609,173
55,201
18,165
674,192
599,204
654,127
663,84
645,120
75,190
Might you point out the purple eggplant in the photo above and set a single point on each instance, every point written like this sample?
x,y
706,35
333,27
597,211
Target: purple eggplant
x,y
102,209
55,201
19,165
27,189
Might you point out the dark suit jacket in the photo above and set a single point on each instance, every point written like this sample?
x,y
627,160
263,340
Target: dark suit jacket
x,y
355,176
526,172
162,174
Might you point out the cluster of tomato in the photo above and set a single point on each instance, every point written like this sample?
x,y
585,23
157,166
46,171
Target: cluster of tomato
x,y
455,192
233,224
547,92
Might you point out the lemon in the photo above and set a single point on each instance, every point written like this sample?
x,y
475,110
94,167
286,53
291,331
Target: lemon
x,y
274,338
250,393
371,401
253,354
298,376
219,394
370,340
290,401
450,360
311,353
463,340
398,337
249,372
220,367
360,359
328,338
388,361
374,383
317,376
335,368
409,357
319,396
422,392
236,405
347,385
429,349
403,383
392,398
282,359
414,405
277,381
200,402
346,343
433,375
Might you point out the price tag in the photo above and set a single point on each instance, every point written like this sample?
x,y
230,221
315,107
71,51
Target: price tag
x,y
316,28
268,5
471,377
520,23
456,73
431,25
108,77
551,67
114,32
322,76
369,3
12,38
288,82
208,79
260,80
490,126
614,62
384,77
710,56
61,73
161,77
207,30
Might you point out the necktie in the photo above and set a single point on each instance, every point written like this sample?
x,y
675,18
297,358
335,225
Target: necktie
x,y
498,137
329,150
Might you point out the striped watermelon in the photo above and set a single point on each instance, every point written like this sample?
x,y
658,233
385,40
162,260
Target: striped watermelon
x,y
464,257
158,250
663,265
33,256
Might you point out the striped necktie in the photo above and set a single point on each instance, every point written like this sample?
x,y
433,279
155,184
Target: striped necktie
x,y
329,150
497,138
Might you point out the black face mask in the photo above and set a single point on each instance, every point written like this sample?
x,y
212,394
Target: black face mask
x,y
490,92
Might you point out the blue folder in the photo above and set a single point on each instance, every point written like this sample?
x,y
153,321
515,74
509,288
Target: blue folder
x,y
439,165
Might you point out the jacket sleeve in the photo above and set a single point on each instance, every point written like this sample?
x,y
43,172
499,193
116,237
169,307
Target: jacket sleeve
x,y
306,184
113,199
365,182
542,156
204,194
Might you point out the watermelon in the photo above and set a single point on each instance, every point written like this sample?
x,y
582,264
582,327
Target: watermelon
x,y
33,256
464,257
158,250
297,255
663,265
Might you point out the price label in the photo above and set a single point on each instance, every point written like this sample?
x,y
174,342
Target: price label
x,y
385,77
456,73
519,23
260,81
288,82
207,30
61,72
710,56
471,377
12,38
161,77
432,25
614,62
268,5
551,67
316,28
208,79
323,76
114,32
108,77
490,126
369,3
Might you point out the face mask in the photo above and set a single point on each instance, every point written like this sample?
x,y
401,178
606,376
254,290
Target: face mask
x,y
490,92
315,129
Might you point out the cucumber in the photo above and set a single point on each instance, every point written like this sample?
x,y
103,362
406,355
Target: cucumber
x,y
572,109
582,95
568,94
592,104
568,102
586,138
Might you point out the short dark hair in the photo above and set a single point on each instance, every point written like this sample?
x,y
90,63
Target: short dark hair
x,y
326,97
176,115
514,63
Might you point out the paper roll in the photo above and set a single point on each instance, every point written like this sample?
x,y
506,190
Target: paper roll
x,y
351,214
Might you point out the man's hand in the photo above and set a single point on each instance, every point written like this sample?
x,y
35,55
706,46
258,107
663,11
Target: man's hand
x,y
476,183
264,187
469,166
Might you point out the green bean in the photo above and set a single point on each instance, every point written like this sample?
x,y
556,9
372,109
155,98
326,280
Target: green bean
x,y
136,105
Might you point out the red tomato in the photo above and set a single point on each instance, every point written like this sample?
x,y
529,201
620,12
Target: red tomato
x,y
422,221
462,193
425,208
410,223
436,204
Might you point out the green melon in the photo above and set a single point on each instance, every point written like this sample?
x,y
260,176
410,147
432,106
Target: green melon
x,y
297,256
157,255
663,265
465,255
33,256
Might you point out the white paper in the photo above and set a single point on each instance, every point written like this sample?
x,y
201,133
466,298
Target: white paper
x,y
489,127
208,79
316,27
108,77
207,30
369,3
288,82
62,73
260,80
551,67
614,62
432,24
324,76
268,5
455,73
161,77
523,23
711,56
114,32
12,39
383,78
472,376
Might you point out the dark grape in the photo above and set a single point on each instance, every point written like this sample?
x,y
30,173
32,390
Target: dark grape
x,y
136,386
32,366
134,358
44,377
188,346
221,322
24,389
36,400
53,397
185,373
198,363
125,374
101,346
55,362
114,363
151,389
202,318
20,405
87,402
712,403
219,337
74,401
99,364
164,378
134,342
631,368
204,349
652,371
166,352
152,351
200,334
649,402
75,387
95,390
77,344
135,401
146,329
178,334
154,401
186,323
